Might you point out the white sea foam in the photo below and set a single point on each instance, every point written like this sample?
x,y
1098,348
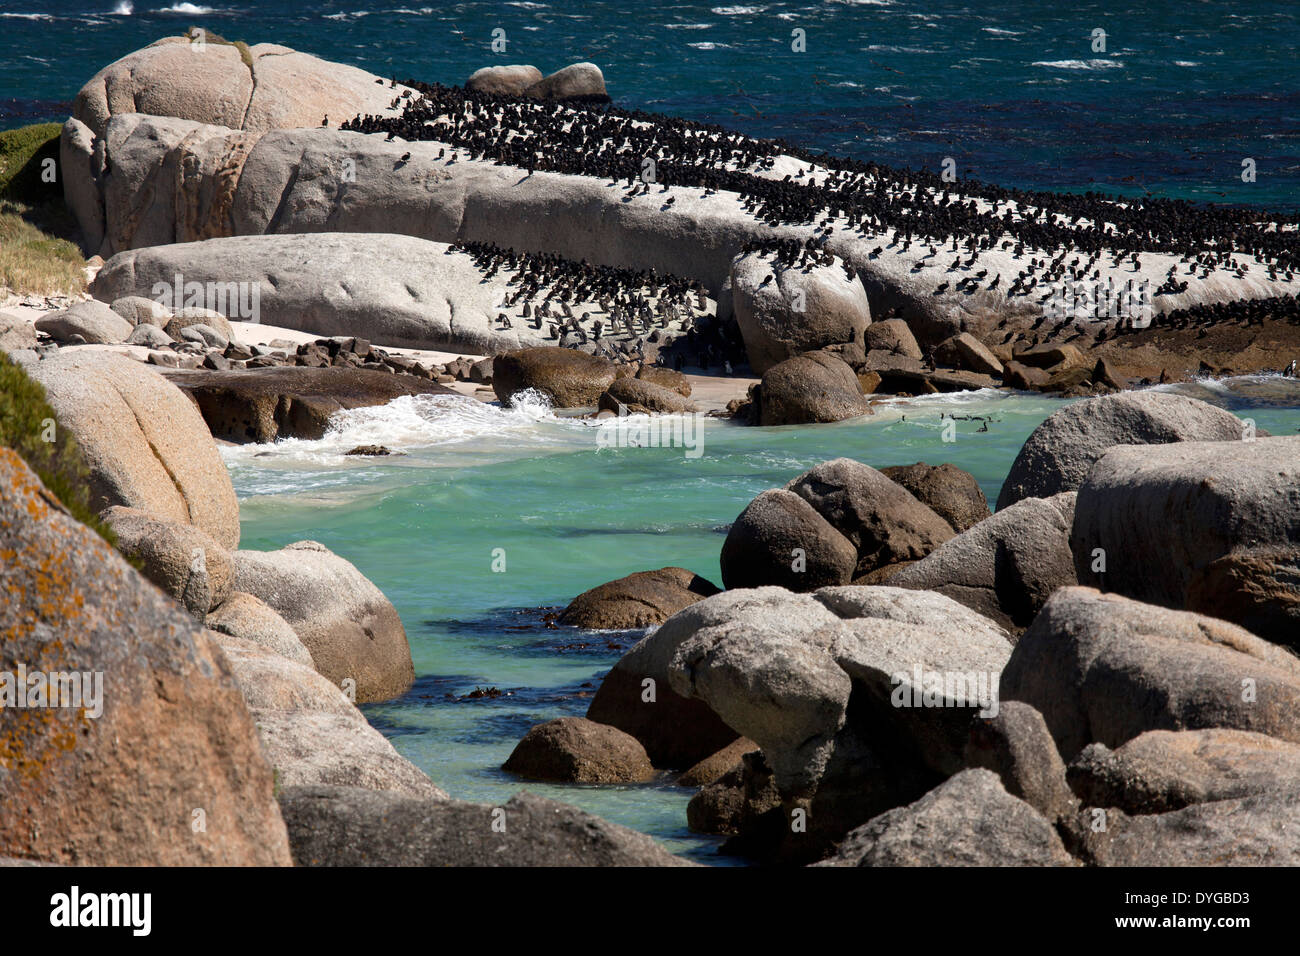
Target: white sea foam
x,y
997,32
688,26
27,16
736,11
710,46
1186,63
1079,64
411,423
124,8
191,8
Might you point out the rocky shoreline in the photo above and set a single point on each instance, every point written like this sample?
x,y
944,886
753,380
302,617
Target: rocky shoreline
x,y
889,673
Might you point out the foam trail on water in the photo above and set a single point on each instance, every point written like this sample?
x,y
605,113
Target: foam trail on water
x,y
415,422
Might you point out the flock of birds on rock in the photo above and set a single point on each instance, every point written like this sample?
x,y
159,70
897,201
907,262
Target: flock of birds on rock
x,y
637,308
910,207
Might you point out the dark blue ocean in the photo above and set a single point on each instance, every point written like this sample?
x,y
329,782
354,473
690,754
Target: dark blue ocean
x,y
1015,92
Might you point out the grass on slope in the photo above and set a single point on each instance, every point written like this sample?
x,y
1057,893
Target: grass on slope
x,y
37,255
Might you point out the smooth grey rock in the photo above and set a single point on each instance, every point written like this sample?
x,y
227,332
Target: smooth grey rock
x,y
398,290
347,826
250,619
968,821
1059,453
1212,527
1104,668
144,442
780,539
1006,566
179,558
510,80
94,322
815,387
351,629
150,336
802,310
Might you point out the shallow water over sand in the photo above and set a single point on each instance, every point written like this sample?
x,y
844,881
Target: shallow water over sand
x,y
569,515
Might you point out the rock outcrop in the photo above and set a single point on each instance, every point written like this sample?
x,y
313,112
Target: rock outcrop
x,y
149,733
145,444
1212,527
1059,453
352,631
643,599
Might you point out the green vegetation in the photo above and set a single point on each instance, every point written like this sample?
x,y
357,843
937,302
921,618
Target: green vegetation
x,y
37,255
29,427
208,36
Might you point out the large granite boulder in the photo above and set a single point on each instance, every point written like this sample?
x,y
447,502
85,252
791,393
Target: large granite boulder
x,y
780,539
87,323
203,78
1103,668
1212,527
810,388
676,730
398,290
348,826
1164,770
804,309
150,736
566,377
880,518
1006,566
954,495
352,631
968,821
145,444
266,404
510,80
1059,453
577,750
311,733
643,599
250,619
575,81
179,558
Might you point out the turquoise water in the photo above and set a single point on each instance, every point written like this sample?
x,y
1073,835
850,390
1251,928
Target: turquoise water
x,y
570,515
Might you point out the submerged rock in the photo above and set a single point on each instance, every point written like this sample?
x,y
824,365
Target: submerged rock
x,y
577,750
643,599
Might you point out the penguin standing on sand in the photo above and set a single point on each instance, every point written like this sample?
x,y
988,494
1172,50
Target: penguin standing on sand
x,y
1291,369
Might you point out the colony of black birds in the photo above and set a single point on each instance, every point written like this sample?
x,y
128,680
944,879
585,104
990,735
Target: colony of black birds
x,y
614,143
1082,233
637,307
